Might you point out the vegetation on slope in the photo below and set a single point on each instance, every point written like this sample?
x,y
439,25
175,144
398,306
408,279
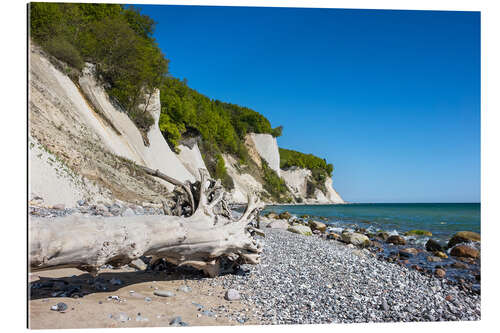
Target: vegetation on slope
x,y
118,40
320,170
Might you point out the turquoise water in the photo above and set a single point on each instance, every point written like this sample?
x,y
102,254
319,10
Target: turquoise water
x,y
442,219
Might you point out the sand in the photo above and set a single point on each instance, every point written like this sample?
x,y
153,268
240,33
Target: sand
x,y
87,312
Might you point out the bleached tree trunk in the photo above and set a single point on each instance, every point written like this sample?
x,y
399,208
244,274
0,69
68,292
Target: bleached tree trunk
x,y
203,240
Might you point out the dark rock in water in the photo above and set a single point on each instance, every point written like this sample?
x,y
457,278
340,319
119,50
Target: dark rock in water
x,y
285,216
433,259
463,237
418,233
440,273
460,265
408,252
433,245
232,295
441,254
60,307
464,251
396,240
383,235
467,260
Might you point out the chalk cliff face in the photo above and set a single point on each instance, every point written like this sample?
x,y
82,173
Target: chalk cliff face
x,y
81,127
190,156
264,147
82,145
297,179
130,143
267,147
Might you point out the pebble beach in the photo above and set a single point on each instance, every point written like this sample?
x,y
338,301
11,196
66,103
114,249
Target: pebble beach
x,y
300,280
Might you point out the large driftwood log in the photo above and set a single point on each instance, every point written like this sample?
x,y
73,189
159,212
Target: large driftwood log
x,y
203,240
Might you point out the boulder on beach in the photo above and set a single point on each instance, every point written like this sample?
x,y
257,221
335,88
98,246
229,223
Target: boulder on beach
x,y
333,235
271,215
396,240
441,254
356,239
464,237
440,273
433,245
300,229
278,224
285,216
383,235
464,251
433,259
418,233
315,225
408,252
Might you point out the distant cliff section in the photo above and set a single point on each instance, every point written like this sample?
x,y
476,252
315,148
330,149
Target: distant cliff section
x,y
101,102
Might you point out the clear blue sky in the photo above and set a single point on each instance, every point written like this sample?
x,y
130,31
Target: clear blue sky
x,y
391,98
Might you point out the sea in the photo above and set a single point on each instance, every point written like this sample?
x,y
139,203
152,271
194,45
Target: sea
x,y
441,219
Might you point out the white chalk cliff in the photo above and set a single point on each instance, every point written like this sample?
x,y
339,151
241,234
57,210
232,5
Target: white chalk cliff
x,y
63,116
77,136
267,147
190,156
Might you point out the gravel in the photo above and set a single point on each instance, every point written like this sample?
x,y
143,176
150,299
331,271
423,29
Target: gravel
x,y
307,280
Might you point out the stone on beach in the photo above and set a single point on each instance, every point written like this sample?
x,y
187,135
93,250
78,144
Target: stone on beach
x,y
128,212
356,239
396,240
418,233
285,216
315,225
163,293
138,264
463,237
333,235
300,229
232,295
60,307
433,245
441,254
408,252
464,251
440,273
278,224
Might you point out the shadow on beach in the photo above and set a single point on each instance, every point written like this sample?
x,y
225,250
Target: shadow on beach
x,y
57,283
